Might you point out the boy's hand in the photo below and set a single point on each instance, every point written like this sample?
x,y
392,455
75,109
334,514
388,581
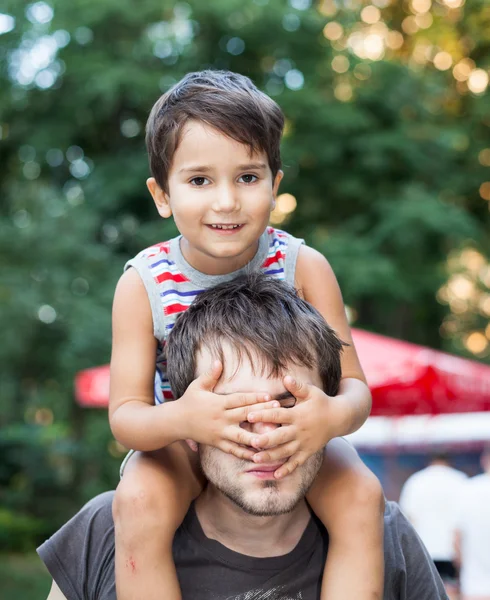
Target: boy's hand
x,y
306,428
214,419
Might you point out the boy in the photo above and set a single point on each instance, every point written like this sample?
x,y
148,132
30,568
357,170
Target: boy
x,y
213,143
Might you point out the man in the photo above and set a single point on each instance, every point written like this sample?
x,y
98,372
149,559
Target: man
x,y
248,536
473,534
425,500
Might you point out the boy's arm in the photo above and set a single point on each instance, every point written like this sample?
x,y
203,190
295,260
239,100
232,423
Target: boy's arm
x,y
199,415
346,496
317,283
135,421
348,499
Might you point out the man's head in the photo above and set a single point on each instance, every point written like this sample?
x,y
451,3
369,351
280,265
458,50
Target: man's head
x,y
440,457
213,143
260,330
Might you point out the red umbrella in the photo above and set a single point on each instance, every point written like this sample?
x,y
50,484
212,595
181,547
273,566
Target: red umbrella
x,y
405,379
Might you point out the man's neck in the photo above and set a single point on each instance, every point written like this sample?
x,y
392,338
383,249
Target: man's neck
x,y
261,537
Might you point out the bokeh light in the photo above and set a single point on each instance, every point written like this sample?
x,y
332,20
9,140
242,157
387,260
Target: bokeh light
x,y
333,31
484,157
485,190
443,61
478,81
340,64
476,342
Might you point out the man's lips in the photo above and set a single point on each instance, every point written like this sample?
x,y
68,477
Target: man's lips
x,y
258,468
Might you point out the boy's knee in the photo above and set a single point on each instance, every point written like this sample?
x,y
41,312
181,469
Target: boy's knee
x,y
135,500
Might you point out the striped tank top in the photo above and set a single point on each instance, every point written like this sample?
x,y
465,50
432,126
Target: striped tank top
x,y
172,284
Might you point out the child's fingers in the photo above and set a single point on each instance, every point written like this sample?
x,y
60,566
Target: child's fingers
x,y
277,453
280,435
236,434
238,415
281,416
298,389
208,380
245,399
236,450
295,461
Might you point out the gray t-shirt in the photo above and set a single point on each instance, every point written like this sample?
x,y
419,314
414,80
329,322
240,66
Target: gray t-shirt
x,y
80,558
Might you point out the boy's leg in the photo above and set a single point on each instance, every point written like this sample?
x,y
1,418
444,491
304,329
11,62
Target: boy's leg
x,y
349,500
150,503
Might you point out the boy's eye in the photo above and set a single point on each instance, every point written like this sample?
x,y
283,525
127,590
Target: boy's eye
x,y
199,181
248,178
289,403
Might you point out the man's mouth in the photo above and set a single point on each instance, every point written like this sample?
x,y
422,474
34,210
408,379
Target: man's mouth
x,y
264,471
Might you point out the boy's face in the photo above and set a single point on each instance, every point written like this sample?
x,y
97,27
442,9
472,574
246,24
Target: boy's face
x,y
220,197
249,485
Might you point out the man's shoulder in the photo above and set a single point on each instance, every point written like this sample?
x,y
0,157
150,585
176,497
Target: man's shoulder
x,y
81,552
409,571
101,504
394,519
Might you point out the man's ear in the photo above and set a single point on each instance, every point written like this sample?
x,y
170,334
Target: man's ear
x,y
275,187
160,198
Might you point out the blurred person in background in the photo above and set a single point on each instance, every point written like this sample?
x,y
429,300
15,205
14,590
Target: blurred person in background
x,y
472,540
427,499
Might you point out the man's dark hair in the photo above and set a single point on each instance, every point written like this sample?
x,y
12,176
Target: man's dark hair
x,y
261,318
227,101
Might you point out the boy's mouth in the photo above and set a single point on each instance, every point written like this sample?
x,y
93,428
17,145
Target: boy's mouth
x,y
225,227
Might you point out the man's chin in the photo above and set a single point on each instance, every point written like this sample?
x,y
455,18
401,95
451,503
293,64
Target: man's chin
x,y
268,502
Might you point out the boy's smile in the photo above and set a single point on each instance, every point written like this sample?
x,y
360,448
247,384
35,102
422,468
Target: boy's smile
x,y
220,195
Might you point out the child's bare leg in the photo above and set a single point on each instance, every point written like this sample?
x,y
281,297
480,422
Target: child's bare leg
x,y
349,500
150,503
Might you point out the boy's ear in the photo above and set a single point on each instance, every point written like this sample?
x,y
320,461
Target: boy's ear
x,y
160,198
275,187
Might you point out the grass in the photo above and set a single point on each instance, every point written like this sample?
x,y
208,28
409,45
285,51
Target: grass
x,y
23,577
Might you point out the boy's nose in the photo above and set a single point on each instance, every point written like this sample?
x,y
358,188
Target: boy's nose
x,y
226,199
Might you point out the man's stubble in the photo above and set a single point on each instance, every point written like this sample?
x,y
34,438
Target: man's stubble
x,y
272,499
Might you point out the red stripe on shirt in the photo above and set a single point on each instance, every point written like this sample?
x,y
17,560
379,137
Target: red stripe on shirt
x,y
167,276
273,259
175,308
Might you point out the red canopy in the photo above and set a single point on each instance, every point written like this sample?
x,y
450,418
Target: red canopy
x,y
408,379
404,378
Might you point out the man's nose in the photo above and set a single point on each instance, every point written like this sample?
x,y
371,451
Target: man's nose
x,y
226,199
261,428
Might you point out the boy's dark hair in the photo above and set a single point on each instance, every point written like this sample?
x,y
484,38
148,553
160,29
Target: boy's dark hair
x,y
227,101
261,318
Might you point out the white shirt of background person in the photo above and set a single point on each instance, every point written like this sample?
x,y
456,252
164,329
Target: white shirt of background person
x,y
473,535
427,499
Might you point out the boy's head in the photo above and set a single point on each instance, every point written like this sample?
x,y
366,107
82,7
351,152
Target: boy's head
x,y
213,141
226,101
263,321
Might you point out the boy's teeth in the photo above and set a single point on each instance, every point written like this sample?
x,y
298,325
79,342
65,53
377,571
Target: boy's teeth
x,y
225,226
